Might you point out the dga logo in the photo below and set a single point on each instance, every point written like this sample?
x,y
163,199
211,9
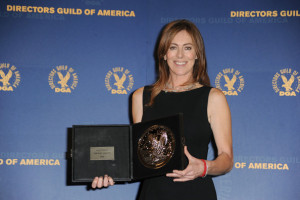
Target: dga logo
x,y
230,81
9,77
119,80
286,83
63,79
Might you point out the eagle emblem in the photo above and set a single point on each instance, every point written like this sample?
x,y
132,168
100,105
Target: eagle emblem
x,y
287,83
63,79
229,83
119,82
5,77
158,145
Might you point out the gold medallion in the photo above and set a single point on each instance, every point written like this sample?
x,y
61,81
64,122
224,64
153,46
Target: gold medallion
x,y
156,146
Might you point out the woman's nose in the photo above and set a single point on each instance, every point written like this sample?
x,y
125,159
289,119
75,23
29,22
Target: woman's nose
x,y
179,53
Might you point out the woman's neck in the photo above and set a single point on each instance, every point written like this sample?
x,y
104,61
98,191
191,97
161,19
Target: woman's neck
x,y
174,82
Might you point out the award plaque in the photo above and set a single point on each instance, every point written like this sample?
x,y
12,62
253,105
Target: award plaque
x,y
127,152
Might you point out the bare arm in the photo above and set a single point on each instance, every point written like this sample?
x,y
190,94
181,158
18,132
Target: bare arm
x,y
137,105
220,122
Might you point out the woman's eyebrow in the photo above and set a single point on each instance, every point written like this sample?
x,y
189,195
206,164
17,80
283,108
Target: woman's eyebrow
x,y
183,44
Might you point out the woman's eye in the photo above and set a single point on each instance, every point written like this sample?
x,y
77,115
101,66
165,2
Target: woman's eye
x,y
172,47
188,48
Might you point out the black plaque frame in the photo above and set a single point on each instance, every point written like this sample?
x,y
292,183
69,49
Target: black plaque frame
x,y
126,165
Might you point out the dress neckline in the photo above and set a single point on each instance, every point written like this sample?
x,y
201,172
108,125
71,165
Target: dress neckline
x,y
166,92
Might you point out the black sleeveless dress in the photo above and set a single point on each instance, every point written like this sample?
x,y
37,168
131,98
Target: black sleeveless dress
x,y
197,132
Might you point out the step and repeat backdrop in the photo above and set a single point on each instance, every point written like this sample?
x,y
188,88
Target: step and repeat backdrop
x,y
78,62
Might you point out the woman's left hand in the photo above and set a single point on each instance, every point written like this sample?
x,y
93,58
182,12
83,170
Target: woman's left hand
x,y
194,169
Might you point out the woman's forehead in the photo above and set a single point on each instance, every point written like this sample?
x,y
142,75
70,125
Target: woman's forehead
x,y
182,37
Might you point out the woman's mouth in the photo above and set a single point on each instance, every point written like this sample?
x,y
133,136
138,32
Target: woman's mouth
x,y
180,63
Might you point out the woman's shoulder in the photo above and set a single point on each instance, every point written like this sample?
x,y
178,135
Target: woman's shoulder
x,y
216,91
216,96
138,93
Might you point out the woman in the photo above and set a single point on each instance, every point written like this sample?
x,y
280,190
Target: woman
x,y
183,86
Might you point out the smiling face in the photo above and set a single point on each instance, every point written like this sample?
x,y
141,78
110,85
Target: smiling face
x,y
181,55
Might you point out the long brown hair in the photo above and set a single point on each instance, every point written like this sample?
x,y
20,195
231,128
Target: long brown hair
x,y
199,71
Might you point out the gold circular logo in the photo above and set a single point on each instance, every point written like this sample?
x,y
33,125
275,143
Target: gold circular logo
x,y
63,79
156,146
119,80
9,77
230,81
286,82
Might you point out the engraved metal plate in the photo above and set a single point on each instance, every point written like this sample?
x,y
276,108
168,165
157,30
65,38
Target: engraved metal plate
x,y
102,153
156,146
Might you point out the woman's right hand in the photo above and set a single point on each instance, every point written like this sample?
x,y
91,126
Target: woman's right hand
x,y
101,181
